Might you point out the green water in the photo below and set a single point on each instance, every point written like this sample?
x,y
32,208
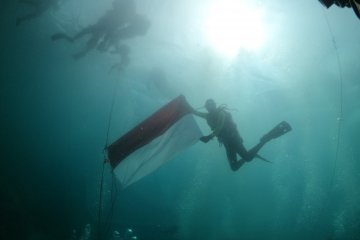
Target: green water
x,y
55,113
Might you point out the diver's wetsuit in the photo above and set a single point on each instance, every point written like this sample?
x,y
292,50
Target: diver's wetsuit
x,y
230,137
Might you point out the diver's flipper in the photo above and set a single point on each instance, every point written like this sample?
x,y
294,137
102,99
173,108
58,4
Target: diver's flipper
x,y
262,158
277,131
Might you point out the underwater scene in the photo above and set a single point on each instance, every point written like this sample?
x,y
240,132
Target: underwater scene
x,y
179,119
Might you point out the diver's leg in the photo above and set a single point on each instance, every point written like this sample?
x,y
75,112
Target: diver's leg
x,y
103,46
231,156
58,36
91,44
253,152
85,31
249,155
105,43
245,154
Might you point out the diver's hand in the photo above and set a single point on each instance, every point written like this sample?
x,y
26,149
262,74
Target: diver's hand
x,y
206,139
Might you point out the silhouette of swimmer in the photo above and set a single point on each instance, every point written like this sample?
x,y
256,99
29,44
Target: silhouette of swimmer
x,y
224,128
138,25
118,23
39,7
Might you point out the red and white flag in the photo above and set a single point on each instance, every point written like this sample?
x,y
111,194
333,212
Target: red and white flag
x,y
153,142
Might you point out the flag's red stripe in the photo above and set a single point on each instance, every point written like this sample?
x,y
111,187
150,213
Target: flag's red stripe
x,y
148,130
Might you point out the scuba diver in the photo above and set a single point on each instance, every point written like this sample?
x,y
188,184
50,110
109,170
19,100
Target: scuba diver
x,y
223,127
137,25
39,7
354,4
105,32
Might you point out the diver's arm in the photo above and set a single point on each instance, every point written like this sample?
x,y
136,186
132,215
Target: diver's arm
x,y
199,114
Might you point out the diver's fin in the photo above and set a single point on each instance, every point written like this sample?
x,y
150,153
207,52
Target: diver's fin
x,y
277,131
262,158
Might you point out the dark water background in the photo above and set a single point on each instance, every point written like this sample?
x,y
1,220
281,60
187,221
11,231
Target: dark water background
x,y
55,113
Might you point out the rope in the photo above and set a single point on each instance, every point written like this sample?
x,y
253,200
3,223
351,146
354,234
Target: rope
x,y
105,160
111,211
110,114
100,201
340,116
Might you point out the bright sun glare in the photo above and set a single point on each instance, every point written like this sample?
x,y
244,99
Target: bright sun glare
x,y
232,25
